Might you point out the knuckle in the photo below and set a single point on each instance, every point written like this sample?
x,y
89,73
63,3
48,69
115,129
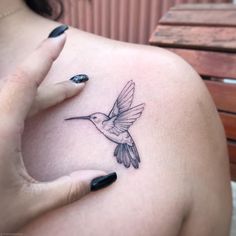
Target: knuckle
x,y
65,91
22,78
10,128
19,75
50,55
76,190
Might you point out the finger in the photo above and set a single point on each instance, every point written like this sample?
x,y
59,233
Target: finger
x,y
68,189
51,95
18,93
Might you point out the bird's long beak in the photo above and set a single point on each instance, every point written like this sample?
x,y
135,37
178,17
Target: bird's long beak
x,y
79,118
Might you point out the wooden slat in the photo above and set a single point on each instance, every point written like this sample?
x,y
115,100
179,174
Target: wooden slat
x,y
233,171
224,95
205,6
215,64
190,26
232,156
206,38
200,17
229,122
232,151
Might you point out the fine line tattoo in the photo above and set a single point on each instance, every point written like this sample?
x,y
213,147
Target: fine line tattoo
x,y
115,126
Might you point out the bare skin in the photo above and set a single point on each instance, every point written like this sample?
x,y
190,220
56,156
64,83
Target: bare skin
x,y
22,197
182,186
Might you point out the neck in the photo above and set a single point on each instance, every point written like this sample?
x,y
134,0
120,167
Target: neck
x,y
12,18
4,4
9,11
21,32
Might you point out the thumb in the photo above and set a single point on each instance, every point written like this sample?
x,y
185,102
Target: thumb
x,y
67,189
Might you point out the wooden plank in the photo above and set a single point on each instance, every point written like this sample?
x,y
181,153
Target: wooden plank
x,y
232,151
200,17
216,64
205,6
229,122
233,171
206,38
224,95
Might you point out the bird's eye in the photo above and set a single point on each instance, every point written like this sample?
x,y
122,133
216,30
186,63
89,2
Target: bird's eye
x,y
94,117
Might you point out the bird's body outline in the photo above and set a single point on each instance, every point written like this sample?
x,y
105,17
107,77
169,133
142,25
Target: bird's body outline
x,y
116,124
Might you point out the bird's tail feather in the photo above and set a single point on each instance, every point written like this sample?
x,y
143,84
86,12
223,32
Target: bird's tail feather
x,y
127,155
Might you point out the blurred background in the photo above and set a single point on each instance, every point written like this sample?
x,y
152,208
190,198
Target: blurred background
x,y
126,20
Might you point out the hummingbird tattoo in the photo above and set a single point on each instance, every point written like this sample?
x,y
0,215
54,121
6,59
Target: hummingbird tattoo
x,y
115,125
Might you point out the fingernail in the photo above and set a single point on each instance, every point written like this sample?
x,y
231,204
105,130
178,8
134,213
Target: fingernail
x,y
79,78
58,31
103,181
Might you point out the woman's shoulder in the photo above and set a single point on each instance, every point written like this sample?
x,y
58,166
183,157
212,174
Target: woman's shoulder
x,y
171,134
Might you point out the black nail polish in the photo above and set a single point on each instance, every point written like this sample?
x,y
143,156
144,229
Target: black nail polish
x,y
58,31
79,78
103,181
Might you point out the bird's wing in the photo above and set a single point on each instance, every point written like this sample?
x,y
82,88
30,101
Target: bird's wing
x,y
109,124
124,120
124,100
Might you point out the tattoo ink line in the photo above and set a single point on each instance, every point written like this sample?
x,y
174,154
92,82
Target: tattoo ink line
x,y
115,125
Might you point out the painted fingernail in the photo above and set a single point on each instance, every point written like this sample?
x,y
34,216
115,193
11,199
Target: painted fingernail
x,y
79,78
58,31
103,181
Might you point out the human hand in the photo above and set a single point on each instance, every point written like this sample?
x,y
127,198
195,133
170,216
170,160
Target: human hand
x,y
23,198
